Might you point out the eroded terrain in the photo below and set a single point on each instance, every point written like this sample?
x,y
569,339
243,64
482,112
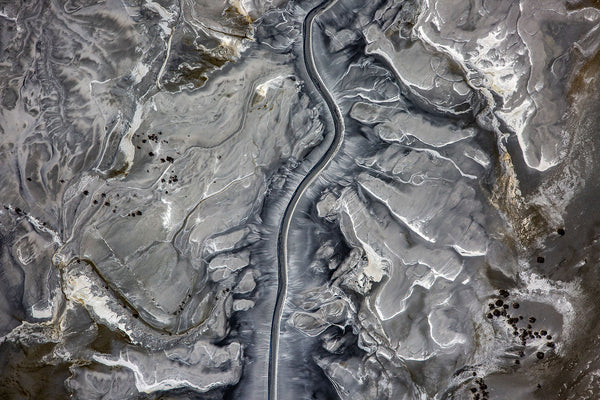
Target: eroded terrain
x,y
299,200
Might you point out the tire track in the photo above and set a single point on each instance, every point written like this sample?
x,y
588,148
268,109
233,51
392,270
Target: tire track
x,y
323,162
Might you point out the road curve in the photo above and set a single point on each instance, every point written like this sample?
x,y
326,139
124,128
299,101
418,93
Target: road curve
x,y
323,162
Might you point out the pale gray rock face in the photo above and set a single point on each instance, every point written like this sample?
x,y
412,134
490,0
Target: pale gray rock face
x,y
270,199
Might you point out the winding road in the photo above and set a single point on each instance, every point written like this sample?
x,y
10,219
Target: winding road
x,y
282,243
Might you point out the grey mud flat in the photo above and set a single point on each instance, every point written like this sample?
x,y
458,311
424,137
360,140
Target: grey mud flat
x,y
285,199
